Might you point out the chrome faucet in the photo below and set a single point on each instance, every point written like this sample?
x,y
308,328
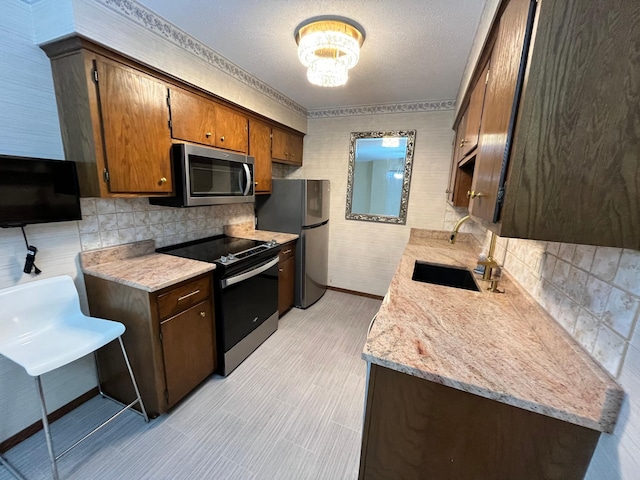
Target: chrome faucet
x,y
454,232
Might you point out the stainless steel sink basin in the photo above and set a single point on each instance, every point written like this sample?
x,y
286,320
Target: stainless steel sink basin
x,y
445,275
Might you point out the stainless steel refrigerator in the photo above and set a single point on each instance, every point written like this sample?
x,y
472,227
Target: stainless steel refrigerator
x,y
301,206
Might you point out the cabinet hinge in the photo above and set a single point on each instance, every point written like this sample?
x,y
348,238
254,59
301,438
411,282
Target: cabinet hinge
x,y
105,175
166,395
95,75
169,124
500,197
168,101
160,336
486,79
271,136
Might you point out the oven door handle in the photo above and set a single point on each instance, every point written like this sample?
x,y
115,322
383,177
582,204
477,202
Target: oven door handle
x,y
251,273
247,173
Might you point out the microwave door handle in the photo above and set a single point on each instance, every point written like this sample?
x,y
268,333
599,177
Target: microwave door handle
x,y
247,275
247,172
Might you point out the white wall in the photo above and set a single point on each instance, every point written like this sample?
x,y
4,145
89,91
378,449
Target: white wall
x,y
363,256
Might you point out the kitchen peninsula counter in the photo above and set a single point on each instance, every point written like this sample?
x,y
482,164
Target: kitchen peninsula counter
x,y
137,265
501,346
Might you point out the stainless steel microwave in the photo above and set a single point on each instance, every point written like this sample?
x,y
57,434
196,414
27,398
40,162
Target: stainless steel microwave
x,y
208,176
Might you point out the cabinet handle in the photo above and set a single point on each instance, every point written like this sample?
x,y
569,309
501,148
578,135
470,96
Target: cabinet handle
x,y
472,194
255,183
202,314
208,134
286,251
462,142
188,295
162,181
280,270
222,138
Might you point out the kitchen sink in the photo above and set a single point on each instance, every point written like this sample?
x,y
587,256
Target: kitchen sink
x,y
445,275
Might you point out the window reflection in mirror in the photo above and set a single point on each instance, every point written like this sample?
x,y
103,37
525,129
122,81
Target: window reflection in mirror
x,y
379,176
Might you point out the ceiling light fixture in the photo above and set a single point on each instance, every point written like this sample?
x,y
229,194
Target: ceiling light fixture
x,y
329,47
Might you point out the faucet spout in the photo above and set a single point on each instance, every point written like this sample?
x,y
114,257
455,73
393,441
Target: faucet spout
x,y
454,232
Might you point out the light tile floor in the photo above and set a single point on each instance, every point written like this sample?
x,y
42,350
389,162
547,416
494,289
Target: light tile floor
x,y
292,410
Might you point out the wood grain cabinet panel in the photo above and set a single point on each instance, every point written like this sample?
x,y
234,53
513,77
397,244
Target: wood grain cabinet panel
x,y
419,430
286,277
170,342
232,131
114,123
559,146
286,147
260,150
193,118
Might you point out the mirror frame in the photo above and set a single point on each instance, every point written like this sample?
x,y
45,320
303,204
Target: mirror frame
x,y
401,219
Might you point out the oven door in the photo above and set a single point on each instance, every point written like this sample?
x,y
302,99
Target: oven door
x,y
248,299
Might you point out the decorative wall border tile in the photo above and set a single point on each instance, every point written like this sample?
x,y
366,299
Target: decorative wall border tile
x,y
384,108
158,25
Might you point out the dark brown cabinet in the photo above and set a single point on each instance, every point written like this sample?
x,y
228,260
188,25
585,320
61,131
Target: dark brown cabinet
x,y
260,150
170,338
200,120
286,277
114,123
558,151
415,429
286,147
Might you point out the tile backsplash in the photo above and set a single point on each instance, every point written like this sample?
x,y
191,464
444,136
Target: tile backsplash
x,y
108,222
593,292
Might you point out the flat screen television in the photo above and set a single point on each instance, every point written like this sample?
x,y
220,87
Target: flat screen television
x,y
35,190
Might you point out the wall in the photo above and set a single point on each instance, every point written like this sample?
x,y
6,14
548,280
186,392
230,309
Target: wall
x,y
364,255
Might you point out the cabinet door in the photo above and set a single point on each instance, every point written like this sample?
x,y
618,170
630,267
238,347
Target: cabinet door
x,y
231,130
260,150
295,149
459,180
279,145
135,127
188,348
193,118
286,277
474,114
501,98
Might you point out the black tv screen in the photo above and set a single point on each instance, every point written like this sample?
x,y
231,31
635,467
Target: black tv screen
x,y
34,190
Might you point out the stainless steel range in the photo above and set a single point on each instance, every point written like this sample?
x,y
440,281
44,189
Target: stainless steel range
x,y
245,292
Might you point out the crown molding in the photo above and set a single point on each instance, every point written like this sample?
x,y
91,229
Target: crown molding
x,y
380,109
154,23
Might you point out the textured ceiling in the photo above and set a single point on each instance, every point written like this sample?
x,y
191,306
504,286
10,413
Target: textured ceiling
x,y
415,50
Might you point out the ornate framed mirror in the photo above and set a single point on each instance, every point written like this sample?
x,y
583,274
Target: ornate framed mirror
x,y
379,176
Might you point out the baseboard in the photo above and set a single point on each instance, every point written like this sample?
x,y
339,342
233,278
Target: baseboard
x,y
353,292
14,440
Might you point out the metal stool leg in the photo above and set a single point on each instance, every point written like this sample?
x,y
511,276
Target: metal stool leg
x,y
133,380
47,432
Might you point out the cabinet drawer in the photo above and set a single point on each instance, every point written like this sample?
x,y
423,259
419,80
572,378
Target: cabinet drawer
x,y
183,297
287,251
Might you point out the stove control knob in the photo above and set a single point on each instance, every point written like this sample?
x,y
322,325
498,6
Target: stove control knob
x,y
231,256
223,259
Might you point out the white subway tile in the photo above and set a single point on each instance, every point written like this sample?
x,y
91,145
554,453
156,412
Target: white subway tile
x,y
583,256
586,330
88,224
620,312
125,220
596,295
123,205
609,349
628,274
566,251
88,206
605,262
107,222
127,235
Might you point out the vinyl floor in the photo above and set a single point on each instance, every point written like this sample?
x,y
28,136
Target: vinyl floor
x,y
292,410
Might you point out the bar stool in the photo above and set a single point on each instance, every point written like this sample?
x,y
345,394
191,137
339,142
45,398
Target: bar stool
x,y
42,328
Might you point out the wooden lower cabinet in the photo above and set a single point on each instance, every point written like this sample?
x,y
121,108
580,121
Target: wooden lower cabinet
x,y
417,429
169,337
286,277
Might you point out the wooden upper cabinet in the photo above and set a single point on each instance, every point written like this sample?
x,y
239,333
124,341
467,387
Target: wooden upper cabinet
x,y
286,147
473,116
507,57
136,135
200,120
576,153
260,150
193,118
114,123
232,130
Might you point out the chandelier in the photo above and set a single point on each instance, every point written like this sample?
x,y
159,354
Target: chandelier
x,y
328,47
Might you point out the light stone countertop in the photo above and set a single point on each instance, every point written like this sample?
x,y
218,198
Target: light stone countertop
x,y
248,230
503,347
137,265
